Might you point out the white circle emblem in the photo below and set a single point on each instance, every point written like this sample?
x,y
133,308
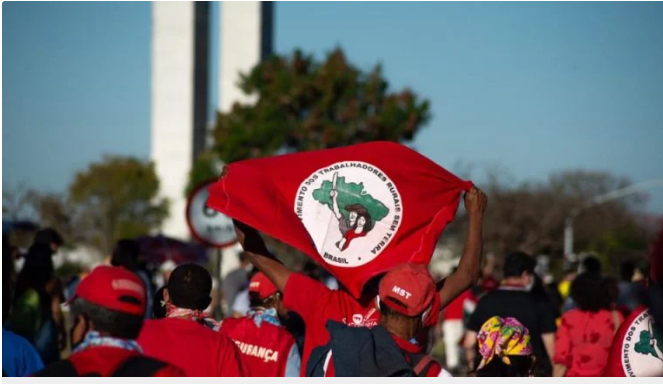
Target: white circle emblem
x,y
351,210
642,348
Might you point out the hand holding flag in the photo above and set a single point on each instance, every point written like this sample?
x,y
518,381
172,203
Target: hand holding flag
x,y
358,210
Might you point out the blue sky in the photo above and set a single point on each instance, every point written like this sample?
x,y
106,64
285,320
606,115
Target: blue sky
x,y
529,87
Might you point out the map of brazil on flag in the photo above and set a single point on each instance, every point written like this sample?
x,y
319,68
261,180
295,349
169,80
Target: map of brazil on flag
x,y
358,211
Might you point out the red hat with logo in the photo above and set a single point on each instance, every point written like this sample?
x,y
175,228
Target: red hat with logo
x,y
114,288
261,285
408,289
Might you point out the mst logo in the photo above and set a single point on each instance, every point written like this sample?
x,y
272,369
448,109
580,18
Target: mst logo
x,y
351,210
401,292
642,347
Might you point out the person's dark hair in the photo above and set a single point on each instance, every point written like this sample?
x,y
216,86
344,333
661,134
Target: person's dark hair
x,y
126,254
361,211
256,302
386,312
158,310
189,286
36,273
521,366
591,264
117,324
369,221
516,263
590,293
243,257
48,236
626,271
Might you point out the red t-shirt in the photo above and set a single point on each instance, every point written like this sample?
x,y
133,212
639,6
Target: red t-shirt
x,y
404,345
317,304
456,309
104,361
198,350
264,348
637,348
583,340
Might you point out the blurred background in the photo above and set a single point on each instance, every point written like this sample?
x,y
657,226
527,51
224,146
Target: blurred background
x,y
113,112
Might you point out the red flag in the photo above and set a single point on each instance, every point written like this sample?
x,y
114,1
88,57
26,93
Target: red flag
x,y
358,210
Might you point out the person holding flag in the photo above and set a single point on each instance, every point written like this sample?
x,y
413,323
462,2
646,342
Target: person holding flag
x,y
296,198
317,304
406,295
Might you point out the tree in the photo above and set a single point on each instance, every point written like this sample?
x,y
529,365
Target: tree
x,y
56,211
302,104
15,204
530,217
118,198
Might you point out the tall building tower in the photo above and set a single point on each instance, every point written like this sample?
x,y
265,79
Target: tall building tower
x,y
180,84
246,39
180,89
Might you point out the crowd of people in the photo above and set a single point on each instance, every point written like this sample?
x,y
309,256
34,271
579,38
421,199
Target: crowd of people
x,y
286,323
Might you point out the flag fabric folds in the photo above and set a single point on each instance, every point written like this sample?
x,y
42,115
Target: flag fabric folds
x,y
358,210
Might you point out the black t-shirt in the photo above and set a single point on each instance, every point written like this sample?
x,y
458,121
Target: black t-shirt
x,y
532,313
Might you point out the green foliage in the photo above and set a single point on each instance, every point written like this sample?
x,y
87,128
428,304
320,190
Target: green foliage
x,y
348,194
206,167
118,198
302,104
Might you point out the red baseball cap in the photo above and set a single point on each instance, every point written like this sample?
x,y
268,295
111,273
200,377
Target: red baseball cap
x,y
261,285
408,289
114,288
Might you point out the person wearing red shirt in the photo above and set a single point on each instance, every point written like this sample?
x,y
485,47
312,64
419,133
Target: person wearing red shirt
x,y
585,333
268,349
187,337
317,304
453,327
108,307
405,300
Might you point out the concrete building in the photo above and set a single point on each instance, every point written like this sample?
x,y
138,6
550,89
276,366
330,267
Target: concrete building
x,y
246,39
181,84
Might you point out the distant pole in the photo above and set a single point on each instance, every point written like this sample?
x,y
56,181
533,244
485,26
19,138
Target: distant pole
x,y
610,196
568,236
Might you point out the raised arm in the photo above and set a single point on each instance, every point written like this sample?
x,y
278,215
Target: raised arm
x,y
469,267
259,255
334,195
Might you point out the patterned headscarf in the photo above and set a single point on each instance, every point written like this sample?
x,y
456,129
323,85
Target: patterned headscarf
x,y
502,338
192,314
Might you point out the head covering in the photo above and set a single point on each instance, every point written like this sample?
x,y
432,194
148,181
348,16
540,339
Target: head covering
x,y
262,286
408,289
501,338
113,288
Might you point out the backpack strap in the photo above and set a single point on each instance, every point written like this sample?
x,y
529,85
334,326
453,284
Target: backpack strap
x,y
422,367
139,366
